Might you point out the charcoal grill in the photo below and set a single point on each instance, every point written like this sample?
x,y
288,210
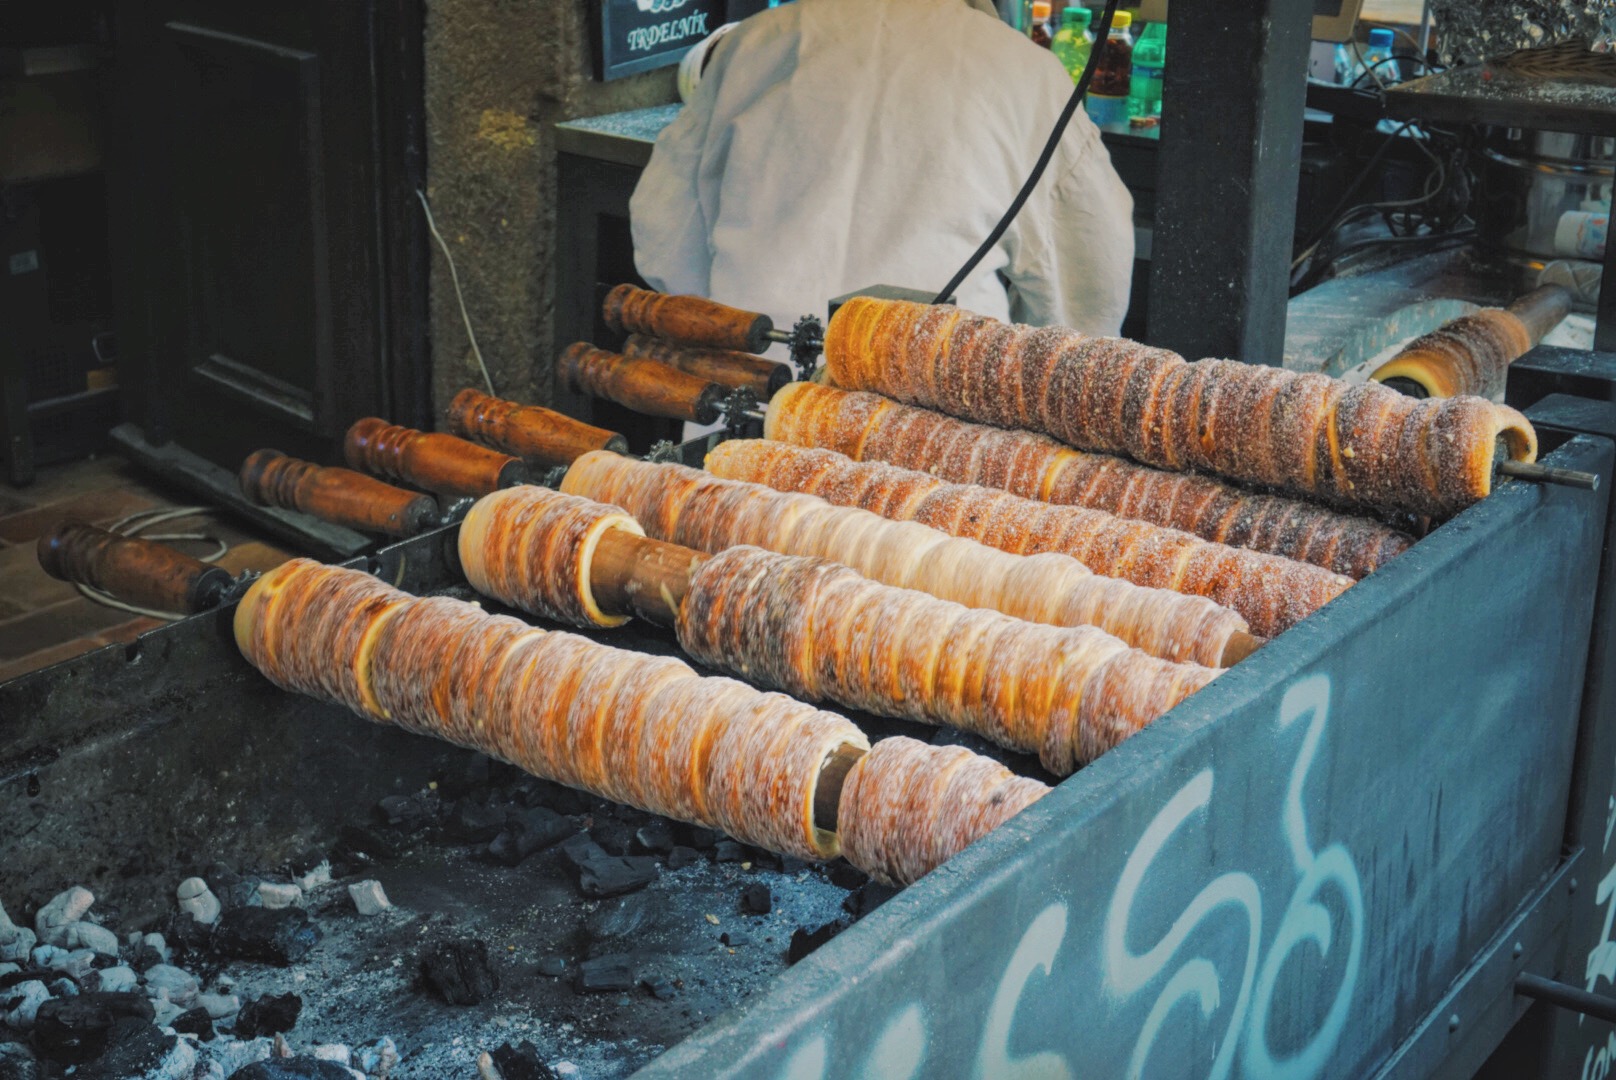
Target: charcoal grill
x,y
1336,860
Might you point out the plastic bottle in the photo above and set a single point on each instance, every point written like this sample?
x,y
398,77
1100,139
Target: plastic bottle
x,y
1073,42
1040,31
1379,50
1107,99
1149,61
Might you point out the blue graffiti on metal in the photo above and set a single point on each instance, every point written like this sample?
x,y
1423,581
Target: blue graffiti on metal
x,y
899,1051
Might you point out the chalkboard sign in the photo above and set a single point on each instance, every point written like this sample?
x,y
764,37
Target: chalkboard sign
x,y
638,35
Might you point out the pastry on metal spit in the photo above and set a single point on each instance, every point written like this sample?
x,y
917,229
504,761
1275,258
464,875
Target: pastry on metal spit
x,y
642,730
1359,446
907,807
868,427
687,506
532,547
1272,593
819,631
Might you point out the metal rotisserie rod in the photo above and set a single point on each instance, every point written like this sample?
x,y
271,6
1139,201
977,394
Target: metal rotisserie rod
x,y
336,495
646,386
541,437
135,571
430,460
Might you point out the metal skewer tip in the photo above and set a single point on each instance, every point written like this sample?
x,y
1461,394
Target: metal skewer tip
x,y
1548,474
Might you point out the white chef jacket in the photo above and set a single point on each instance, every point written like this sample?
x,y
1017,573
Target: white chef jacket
x,y
837,144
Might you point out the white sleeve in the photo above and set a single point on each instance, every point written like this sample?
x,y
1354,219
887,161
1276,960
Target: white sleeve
x,y
1071,248
672,235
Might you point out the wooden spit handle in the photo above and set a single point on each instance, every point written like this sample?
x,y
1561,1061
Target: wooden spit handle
x,y
645,386
138,572
430,460
686,320
339,496
733,369
1541,310
636,575
541,437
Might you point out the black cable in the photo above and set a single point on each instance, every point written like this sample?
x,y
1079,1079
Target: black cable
x,y
1044,158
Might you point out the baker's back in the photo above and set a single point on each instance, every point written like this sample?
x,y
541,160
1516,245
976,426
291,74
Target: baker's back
x,y
835,144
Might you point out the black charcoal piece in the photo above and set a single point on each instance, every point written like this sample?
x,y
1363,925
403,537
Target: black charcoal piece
x,y
528,832
681,857
702,838
475,823
612,875
553,966
184,934
729,851
867,897
614,837
17,1062
581,849
660,987
280,936
521,1061
621,917
654,839
844,875
292,1068
606,974
196,1022
272,1014
135,1047
805,939
458,971
72,1030
756,899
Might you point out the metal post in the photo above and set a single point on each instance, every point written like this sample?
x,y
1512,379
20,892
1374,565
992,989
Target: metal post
x,y
1227,171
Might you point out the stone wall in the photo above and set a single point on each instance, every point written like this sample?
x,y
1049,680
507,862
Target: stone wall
x,y
499,75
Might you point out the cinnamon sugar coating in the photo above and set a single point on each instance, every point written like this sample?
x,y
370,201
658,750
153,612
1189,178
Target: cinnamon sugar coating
x,y
1115,395
532,547
643,730
819,630
907,807
868,427
1272,594
702,511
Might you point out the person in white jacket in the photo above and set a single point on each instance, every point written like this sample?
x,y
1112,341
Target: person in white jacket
x,y
833,145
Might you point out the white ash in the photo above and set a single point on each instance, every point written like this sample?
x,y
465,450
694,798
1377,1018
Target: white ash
x,y
8,969
320,875
19,1004
158,944
218,1006
275,895
66,907
87,935
76,962
15,941
118,980
176,985
368,897
198,901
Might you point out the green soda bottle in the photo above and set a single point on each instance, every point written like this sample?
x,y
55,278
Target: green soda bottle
x,y
1149,60
1073,42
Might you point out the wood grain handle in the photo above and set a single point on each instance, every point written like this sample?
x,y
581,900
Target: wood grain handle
x,y
685,320
1541,310
646,386
139,572
724,366
430,460
539,436
338,496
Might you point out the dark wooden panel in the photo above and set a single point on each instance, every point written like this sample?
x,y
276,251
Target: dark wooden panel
x,y
248,163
